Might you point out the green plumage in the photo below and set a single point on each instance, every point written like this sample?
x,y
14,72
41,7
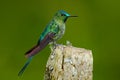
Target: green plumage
x,y
53,31
57,26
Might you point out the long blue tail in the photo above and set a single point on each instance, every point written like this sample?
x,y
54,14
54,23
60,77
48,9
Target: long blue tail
x,y
25,66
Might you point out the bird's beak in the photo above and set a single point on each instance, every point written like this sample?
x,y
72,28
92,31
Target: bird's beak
x,y
72,16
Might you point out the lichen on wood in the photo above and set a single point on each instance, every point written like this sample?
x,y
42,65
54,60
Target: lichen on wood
x,y
69,63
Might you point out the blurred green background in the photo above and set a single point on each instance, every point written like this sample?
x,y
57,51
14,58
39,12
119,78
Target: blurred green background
x,y
97,28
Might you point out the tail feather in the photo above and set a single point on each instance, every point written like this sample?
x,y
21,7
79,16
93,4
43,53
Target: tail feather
x,y
25,66
29,54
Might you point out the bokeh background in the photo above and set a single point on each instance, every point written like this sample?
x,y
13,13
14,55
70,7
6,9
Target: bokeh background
x,y
97,28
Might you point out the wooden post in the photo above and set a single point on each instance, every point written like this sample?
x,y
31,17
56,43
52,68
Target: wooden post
x,y
69,63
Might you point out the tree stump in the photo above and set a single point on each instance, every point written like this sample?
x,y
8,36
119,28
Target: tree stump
x,y
69,63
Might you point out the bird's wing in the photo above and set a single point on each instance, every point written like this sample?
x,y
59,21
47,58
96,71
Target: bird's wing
x,y
48,38
51,27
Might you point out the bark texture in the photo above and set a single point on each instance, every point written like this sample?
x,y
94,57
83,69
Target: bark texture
x,y
69,63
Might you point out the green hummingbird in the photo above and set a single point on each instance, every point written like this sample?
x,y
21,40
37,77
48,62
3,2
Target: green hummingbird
x,y
53,32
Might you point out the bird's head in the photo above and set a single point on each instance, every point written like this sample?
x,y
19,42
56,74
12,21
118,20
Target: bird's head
x,y
62,16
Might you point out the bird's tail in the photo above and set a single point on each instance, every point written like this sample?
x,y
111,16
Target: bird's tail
x,y
25,66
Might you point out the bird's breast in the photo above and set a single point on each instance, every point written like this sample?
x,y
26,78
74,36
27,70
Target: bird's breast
x,y
61,31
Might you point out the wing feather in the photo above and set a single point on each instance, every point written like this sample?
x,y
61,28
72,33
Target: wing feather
x,y
48,38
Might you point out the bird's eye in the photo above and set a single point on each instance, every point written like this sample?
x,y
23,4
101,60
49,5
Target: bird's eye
x,y
62,14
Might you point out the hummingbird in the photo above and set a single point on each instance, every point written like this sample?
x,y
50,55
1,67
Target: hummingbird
x,y
51,34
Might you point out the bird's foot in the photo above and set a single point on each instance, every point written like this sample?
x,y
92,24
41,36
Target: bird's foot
x,y
53,46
